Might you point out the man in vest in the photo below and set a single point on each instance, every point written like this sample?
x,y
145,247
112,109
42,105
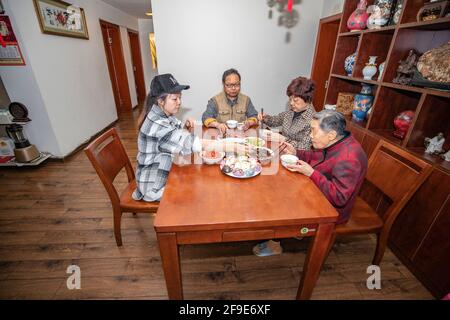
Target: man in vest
x,y
230,104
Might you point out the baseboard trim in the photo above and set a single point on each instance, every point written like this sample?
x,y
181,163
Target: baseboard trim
x,y
84,144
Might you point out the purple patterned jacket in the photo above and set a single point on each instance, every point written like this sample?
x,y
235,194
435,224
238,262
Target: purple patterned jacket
x,y
339,172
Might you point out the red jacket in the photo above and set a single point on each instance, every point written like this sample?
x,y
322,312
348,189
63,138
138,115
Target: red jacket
x,y
339,172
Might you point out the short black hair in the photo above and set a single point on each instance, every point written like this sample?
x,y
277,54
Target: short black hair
x,y
228,72
331,120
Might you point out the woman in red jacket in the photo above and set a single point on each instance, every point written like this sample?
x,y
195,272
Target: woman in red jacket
x,y
337,165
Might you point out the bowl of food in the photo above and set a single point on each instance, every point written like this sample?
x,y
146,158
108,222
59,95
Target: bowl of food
x,y
232,124
254,141
288,160
212,157
264,155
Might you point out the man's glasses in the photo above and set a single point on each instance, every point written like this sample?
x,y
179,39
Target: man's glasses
x,y
232,85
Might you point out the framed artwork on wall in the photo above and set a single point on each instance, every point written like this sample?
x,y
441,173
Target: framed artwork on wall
x,y
61,19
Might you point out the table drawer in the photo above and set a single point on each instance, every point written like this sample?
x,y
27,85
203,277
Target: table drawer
x,y
247,235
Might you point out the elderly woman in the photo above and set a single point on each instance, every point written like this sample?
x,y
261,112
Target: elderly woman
x,y
337,166
161,137
295,123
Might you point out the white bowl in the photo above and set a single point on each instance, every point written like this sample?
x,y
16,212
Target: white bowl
x,y
217,160
288,160
232,124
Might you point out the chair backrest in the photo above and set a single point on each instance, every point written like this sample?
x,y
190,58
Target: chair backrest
x,y
108,156
398,174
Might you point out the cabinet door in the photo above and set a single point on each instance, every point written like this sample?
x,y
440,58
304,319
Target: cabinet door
x,y
356,131
369,143
415,220
433,256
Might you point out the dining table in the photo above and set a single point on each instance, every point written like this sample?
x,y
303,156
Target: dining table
x,y
202,205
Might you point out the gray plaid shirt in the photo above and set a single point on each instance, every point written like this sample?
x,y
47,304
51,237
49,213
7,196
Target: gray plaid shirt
x,y
160,137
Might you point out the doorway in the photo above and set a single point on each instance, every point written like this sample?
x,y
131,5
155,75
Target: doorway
x,y
116,66
323,57
138,68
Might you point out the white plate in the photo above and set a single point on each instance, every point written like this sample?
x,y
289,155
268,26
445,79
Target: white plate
x,y
236,140
258,170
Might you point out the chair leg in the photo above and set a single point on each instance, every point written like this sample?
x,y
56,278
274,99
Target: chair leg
x,y
117,233
333,238
381,247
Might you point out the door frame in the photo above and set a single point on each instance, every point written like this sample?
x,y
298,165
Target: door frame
x,y
126,106
139,76
317,70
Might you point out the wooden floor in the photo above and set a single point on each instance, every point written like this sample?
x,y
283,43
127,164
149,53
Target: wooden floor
x,y
58,215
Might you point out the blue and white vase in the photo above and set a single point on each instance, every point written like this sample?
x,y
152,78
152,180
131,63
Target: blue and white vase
x,y
362,103
350,64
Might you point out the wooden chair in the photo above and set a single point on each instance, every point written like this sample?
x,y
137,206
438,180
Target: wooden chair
x,y
397,174
108,156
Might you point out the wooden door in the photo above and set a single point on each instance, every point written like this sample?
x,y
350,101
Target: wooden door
x,y
116,66
137,65
323,57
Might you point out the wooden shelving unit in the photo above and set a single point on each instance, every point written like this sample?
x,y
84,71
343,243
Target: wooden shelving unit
x,y
432,115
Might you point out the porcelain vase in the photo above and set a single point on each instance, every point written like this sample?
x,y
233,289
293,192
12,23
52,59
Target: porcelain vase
x,y
370,69
358,19
381,70
349,64
362,103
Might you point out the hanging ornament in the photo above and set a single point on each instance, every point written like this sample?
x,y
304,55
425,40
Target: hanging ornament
x,y
290,4
271,4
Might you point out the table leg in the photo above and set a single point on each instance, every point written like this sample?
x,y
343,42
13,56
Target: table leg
x,y
317,254
170,258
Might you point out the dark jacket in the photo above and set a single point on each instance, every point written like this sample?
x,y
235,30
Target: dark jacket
x,y
339,172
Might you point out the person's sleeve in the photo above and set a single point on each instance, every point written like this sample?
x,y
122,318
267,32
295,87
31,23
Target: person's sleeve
x,y
210,115
251,113
176,141
340,187
275,121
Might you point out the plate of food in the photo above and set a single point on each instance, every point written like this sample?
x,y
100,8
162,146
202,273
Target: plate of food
x,y
240,167
255,141
212,157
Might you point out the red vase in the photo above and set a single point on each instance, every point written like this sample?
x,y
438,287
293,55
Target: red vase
x,y
402,122
358,19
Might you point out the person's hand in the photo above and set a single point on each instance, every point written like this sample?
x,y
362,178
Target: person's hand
x,y
262,116
222,128
190,124
288,148
248,124
302,167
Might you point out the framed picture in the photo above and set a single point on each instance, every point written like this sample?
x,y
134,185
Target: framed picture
x,y
10,55
6,29
61,18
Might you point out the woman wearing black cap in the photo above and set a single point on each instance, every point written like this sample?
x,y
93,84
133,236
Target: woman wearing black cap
x,y
161,136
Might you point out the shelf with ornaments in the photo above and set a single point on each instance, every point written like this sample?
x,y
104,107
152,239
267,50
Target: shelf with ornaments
x,y
355,79
437,24
345,55
372,55
389,105
345,93
433,120
409,45
423,11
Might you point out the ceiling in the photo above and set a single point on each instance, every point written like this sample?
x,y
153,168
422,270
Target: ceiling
x,y
136,8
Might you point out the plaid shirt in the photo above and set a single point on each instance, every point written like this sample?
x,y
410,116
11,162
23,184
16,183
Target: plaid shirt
x,y
160,137
295,130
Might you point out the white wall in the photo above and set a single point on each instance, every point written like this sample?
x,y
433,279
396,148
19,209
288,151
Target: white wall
x,y
66,79
332,7
146,27
197,40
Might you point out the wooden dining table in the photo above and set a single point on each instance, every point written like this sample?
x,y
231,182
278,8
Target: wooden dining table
x,y
203,205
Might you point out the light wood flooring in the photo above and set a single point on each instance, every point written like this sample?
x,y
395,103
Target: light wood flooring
x,y
58,214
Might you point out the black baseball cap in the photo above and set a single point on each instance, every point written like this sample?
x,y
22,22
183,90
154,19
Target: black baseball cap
x,y
165,83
